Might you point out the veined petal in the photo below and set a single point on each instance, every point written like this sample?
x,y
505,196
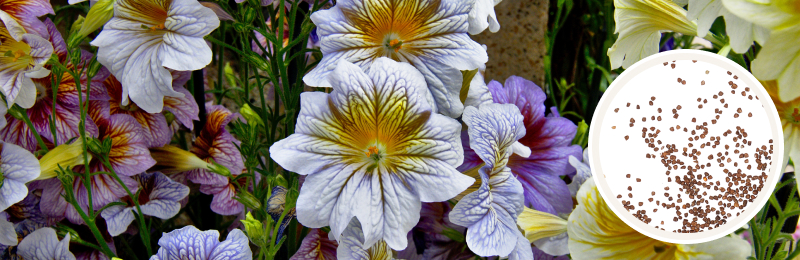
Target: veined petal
x,y
129,154
191,243
8,237
190,18
770,14
164,195
136,58
430,34
184,108
522,251
373,137
493,129
26,13
352,245
316,246
155,131
118,218
18,167
223,202
640,23
742,33
478,93
44,244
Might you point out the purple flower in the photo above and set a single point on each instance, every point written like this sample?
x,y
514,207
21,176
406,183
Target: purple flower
x,y
43,244
159,196
428,241
191,243
214,142
316,246
275,208
550,141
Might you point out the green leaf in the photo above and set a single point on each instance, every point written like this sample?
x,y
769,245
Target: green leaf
x,y
582,136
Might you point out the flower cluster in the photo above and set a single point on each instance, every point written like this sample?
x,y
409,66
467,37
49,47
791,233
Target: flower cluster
x,y
349,129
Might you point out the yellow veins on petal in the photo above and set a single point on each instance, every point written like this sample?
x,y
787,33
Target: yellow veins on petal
x,y
537,225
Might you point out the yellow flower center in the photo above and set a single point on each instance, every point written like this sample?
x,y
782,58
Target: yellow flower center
x,y
796,115
18,54
395,44
372,150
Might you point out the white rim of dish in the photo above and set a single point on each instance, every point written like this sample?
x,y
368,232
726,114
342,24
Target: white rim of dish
x,y
774,173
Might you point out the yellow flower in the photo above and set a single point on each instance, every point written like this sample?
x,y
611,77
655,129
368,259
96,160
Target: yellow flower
x,y
595,232
171,159
640,24
547,231
63,156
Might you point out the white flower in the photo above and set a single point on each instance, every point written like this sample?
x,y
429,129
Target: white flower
x,y
640,24
779,57
431,35
144,37
741,33
372,149
21,61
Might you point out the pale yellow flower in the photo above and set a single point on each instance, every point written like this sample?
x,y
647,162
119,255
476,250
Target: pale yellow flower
x,y
779,58
595,232
640,24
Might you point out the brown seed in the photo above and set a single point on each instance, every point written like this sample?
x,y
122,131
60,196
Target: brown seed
x,y
637,106
616,110
638,180
626,139
749,114
703,82
629,104
628,175
672,65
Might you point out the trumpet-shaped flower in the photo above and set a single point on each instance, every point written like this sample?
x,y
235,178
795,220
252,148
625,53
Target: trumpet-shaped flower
x,y
352,245
217,144
429,34
741,32
316,246
482,16
67,113
372,149
23,16
789,113
18,167
61,157
156,130
547,231
550,141
158,197
779,58
490,213
20,61
128,156
191,243
595,232
144,37
640,24
43,244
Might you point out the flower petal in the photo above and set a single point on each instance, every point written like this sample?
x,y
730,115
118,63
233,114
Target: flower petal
x,y
184,108
8,235
118,218
43,244
235,247
482,16
779,59
493,129
223,202
316,246
188,243
129,154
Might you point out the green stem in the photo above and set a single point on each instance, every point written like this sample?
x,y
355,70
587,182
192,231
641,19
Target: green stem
x,y
143,230
24,115
89,223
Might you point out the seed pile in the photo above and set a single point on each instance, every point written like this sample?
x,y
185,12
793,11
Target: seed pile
x,y
700,202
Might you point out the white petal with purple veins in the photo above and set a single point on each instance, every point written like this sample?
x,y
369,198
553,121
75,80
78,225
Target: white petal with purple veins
x,y
118,218
43,244
8,235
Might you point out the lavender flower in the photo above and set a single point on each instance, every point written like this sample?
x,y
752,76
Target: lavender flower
x,y
191,243
43,244
159,196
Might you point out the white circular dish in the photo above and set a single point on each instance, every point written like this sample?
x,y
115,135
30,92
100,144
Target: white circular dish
x,y
675,78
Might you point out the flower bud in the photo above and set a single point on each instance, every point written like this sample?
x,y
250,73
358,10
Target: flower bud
x,y
248,199
254,230
95,146
17,112
250,15
94,67
171,159
98,15
251,116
